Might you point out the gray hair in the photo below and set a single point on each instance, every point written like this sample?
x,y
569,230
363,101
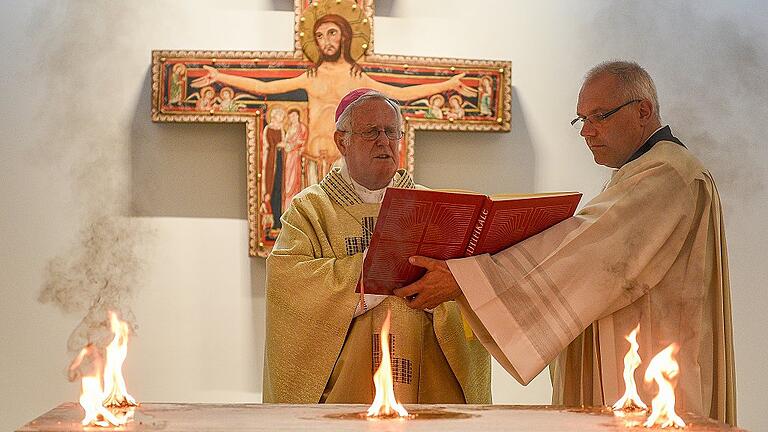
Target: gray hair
x,y
634,81
344,123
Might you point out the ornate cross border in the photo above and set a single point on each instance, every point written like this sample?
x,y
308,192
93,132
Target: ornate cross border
x,y
272,93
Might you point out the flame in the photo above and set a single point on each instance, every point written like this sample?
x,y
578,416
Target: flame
x,y
384,404
104,397
631,400
95,412
114,384
662,369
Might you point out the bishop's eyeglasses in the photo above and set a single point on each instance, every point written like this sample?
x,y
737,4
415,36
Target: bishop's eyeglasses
x,y
598,118
373,134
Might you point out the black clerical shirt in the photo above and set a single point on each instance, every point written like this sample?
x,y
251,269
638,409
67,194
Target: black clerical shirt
x,y
663,134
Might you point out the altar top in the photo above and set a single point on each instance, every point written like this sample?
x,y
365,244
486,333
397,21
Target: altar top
x,y
178,417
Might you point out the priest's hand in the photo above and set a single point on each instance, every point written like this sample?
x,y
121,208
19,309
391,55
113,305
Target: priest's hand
x,y
434,288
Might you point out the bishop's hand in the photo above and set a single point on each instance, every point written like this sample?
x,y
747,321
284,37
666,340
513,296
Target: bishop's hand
x,y
434,288
211,77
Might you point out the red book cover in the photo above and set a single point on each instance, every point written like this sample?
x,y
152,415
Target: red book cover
x,y
446,225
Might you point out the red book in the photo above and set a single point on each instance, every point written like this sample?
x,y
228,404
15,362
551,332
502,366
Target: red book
x,y
446,225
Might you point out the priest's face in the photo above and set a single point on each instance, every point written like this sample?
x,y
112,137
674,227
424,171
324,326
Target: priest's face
x,y
372,161
614,139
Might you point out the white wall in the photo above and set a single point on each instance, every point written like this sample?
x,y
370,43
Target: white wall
x,y
78,145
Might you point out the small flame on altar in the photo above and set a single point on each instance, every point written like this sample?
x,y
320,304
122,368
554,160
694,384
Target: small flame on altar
x,y
631,400
104,396
384,404
663,368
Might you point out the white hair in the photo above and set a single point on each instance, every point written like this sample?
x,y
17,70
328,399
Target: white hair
x,y
634,81
344,123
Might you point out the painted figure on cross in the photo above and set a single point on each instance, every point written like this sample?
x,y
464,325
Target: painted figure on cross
x,y
333,54
333,73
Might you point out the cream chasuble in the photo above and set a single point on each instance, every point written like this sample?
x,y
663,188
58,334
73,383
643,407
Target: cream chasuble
x,y
650,249
317,351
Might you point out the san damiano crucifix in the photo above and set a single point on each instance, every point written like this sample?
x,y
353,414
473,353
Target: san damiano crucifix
x,y
287,100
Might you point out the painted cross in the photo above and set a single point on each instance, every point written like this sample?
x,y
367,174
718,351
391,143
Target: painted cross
x,y
287,100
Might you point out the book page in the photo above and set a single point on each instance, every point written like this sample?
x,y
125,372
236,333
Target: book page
x,y
458,191
500,197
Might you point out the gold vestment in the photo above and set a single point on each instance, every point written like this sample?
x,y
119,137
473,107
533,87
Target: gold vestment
x,y
316,351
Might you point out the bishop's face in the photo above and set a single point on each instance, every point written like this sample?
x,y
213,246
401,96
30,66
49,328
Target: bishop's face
x,y
612,140
371,162
328,38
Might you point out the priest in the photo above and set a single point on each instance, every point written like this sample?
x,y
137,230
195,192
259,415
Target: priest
x,y
322,339
649,250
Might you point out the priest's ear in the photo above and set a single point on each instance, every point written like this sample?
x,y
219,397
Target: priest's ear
x,y
645,107
340,138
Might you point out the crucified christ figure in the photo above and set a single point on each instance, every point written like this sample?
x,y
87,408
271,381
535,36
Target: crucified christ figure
x,y
333,75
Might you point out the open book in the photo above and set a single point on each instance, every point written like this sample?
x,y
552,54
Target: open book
x,y
445,225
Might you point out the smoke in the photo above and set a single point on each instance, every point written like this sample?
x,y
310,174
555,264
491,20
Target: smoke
x,y
98,274
101,269
710,69
710,63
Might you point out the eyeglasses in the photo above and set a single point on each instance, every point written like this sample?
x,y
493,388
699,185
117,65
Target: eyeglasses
x,y
373,134
578,122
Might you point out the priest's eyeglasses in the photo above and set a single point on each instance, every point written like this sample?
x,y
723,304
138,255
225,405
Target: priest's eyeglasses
x,y
596,119
373,134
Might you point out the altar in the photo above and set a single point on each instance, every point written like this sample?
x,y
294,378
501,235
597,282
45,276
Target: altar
x,y
178,417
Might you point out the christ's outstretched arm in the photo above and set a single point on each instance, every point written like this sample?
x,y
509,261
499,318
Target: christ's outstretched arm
x,y
420,90
251,84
